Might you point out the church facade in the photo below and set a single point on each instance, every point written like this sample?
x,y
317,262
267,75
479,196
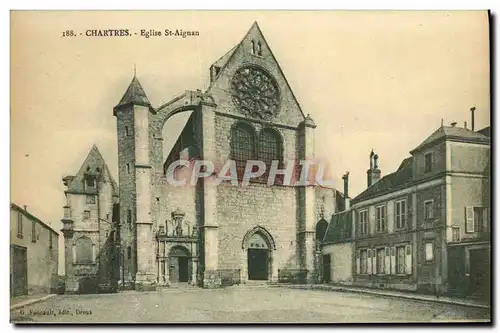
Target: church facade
x,y
207,232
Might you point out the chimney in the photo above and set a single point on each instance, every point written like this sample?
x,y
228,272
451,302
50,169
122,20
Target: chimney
x,y
465,124
373,174
25,207
347,201
472,109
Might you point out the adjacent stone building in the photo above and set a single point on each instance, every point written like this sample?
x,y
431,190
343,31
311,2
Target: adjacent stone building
x,y
426,226
91,257
34,254
208,232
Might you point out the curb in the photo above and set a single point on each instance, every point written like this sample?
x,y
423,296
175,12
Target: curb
x,y
30,302
377,293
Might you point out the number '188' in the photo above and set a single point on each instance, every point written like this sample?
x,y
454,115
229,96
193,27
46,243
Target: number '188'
x,y
68,33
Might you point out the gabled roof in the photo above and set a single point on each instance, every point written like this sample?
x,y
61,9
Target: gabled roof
x,y
397,179
134,95
338,226
452,133
32,217
94,162
224,60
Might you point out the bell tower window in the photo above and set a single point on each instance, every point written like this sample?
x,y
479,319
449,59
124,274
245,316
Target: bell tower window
x,y
259,48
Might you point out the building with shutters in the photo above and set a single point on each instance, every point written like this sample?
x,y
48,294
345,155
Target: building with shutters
x,y
426,226
91,257
34,254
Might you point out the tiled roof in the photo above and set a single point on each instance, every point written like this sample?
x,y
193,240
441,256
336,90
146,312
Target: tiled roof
x,y
337,225
134,94
452,132
394,180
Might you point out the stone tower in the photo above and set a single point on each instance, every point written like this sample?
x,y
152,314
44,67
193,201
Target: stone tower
x,y
132,117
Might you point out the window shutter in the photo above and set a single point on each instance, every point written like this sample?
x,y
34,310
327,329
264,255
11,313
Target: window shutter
x,y
408,259
469,219
374,261
393,260
369,262
387,263
358,263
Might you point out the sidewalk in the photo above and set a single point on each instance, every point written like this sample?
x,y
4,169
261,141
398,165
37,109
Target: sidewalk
x,y
25,300
390,293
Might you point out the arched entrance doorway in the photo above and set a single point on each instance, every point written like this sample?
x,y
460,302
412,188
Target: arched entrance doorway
x,y
259,245
179,261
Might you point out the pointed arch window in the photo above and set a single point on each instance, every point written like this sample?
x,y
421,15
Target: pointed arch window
x,y
253,47
270,149
259,48
242,146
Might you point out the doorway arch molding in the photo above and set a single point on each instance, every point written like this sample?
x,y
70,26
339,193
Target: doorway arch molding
x,y
261,230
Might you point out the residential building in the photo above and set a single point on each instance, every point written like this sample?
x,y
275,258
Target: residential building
x,y
426,226
34,254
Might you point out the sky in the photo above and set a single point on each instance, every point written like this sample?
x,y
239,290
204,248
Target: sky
x,y
370,80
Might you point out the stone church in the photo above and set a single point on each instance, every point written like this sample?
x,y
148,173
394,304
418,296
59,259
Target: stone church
x,y
207,234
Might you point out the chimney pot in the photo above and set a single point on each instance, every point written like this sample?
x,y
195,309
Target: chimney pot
x,y
25,207
465,124
472,109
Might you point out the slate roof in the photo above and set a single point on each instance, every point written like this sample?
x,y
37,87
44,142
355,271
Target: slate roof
x,y
94,162
452,132
135,94
337,226
394,180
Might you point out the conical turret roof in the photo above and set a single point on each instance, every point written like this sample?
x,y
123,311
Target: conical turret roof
x,y
134,95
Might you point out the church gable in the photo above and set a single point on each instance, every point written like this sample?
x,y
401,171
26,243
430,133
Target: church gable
x,y
249,82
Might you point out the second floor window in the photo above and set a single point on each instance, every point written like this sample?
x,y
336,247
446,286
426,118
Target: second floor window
x,y
363,222
19,225
476,219
428,162
428,210
33,231
381,221
401,214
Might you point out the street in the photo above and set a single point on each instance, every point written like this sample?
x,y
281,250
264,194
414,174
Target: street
x,y
240,304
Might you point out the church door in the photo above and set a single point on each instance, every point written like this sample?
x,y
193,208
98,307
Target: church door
x,y
183,269
258,258
258,264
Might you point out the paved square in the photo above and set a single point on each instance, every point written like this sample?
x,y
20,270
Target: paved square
x,y
240,304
